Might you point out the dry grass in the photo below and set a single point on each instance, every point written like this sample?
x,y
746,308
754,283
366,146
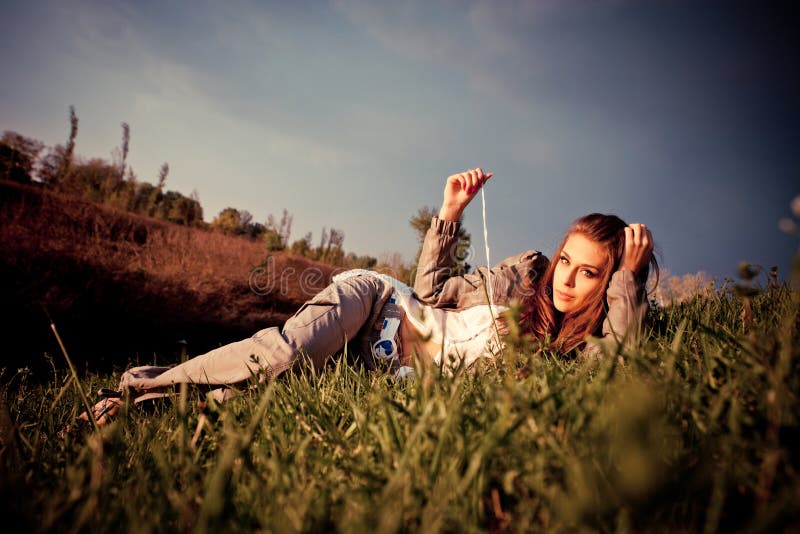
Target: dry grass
x,y
92,265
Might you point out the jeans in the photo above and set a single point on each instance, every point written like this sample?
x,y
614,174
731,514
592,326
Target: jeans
x,y
323,326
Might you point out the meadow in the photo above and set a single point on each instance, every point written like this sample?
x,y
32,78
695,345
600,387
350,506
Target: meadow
x,y
694,431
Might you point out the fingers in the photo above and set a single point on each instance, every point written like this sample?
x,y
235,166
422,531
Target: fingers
x,y
463,181
638,235
475,180
638,247
472,180
628,237
484,177
459,191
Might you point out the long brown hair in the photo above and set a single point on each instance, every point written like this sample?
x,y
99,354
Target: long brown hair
x,y
569,330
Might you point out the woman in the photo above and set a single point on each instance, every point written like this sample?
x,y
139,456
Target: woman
x,y
600,256
601,260
446,320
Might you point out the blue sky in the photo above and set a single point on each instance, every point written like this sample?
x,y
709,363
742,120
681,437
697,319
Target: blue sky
x,y
351,114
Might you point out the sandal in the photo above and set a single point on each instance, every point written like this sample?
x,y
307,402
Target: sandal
x,y
107,408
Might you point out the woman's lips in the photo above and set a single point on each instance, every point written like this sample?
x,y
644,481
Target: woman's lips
x,y
563,296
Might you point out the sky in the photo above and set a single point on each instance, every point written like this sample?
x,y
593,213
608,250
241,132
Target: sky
x,y
351,114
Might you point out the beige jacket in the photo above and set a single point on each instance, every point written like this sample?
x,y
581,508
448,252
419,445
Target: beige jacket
x,y
515,278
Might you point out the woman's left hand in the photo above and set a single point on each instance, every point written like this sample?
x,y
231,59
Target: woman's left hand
x,y
638,247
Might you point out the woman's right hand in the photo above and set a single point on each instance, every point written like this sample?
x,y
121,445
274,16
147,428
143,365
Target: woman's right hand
x,y
459,190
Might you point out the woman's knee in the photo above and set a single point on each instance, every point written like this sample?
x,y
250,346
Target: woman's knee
x,y
333,317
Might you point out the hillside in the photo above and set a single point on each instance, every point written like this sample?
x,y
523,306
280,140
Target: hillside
x,y
121,287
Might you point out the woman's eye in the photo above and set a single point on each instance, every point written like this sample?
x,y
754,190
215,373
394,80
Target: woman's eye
x,y
564,260
588,274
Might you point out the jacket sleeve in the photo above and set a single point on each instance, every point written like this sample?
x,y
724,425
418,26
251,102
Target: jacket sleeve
x,y
624,320
435,261
435,285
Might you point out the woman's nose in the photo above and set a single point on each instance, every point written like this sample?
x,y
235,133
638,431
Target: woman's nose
x,y
569,279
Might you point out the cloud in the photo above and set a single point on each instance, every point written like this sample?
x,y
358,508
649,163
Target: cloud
x,y
487,43
503,48
415,30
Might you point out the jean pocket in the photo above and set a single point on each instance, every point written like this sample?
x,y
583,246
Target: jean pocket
x,y
309,312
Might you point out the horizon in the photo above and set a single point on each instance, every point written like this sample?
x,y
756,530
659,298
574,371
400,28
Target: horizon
x,y
677,114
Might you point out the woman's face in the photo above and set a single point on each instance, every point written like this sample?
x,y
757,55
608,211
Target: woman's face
x,y
578,272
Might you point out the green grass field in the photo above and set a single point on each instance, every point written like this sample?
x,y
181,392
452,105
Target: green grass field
x,y
696,431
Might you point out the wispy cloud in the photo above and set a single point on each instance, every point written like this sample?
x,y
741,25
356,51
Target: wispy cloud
x,y
416,30
586,103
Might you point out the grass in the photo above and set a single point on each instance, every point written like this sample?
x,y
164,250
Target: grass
x,y
696,431
88,264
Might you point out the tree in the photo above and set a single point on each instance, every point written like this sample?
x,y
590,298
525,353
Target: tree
x,y
172,207
254,230
142,198
461,251
248,228
17,156
422,221
179,209
126,139
228,221
162,175
66,161
393,264
273,241
55,165
330,247
157,193
277,233
93,179
109,182
354,261
196,214
119,155
116,192
302,247
334,252
245,219
50,165
126,195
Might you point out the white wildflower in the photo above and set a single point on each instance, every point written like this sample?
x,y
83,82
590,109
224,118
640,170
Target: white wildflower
x,y
787,225
796,205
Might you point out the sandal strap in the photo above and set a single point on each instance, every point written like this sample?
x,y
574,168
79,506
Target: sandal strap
x,y
104,410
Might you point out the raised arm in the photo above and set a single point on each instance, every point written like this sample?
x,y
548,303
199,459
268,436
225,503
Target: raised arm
x,y
626,296
459,190
434,283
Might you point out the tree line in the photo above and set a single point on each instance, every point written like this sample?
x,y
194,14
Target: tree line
x,y
114,183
